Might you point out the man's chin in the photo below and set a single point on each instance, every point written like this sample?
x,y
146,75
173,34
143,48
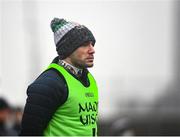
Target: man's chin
x,y
89,65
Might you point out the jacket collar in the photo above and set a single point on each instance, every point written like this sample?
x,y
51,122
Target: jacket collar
x,y
74,70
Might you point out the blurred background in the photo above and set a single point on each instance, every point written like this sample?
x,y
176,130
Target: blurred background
x,y
137,60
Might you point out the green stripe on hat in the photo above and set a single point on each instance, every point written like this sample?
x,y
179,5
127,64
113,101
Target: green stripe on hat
x,y
57,24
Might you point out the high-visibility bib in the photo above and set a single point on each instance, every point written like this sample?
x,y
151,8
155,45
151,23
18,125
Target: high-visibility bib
x,y
78,115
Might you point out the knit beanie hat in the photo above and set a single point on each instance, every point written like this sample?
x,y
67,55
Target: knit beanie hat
x,y
68,36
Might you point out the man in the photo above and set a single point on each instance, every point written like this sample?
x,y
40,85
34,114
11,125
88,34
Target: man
x,y
63,100
6,120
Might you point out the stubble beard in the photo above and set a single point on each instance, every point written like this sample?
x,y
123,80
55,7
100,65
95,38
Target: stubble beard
x,y
84,65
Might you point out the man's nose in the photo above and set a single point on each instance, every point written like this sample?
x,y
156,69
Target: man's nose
x,y
91,49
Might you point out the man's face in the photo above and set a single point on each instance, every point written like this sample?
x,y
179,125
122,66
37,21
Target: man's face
x,y
4,114
83,56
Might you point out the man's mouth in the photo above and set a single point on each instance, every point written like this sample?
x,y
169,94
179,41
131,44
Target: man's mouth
x,y
91,58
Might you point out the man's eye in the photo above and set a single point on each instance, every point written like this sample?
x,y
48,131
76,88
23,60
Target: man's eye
x,y
87,44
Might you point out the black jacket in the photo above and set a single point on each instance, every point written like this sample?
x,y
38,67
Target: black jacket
x,y
45,95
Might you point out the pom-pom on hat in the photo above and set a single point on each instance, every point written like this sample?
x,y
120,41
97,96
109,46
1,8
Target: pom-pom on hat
x,y
68,36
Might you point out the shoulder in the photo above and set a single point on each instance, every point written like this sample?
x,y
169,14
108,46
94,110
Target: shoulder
x,y
51,75
51,78
50,84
